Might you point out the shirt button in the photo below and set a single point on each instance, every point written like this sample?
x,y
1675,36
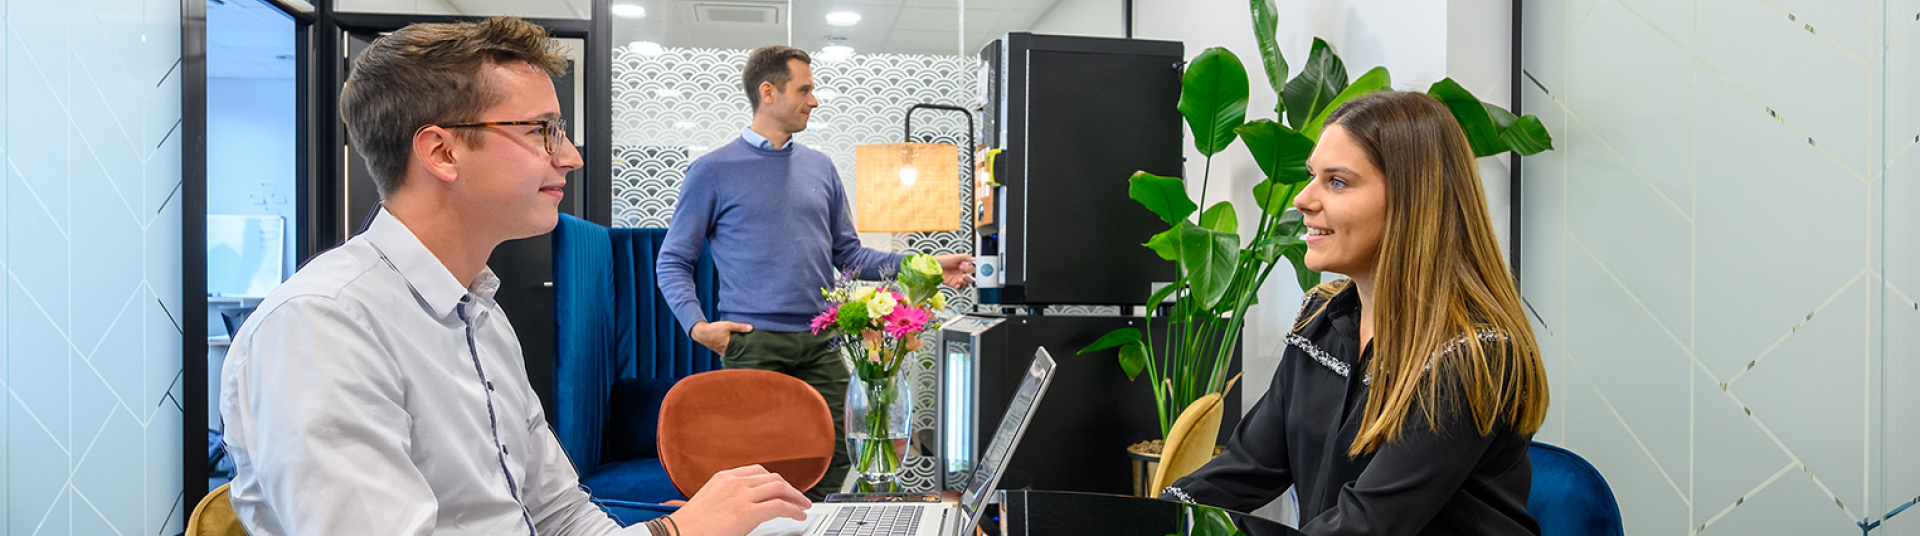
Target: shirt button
x,y
489,385
503,450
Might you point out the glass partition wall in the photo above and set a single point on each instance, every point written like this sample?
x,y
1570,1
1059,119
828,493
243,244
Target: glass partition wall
x,y
677,94
1722,260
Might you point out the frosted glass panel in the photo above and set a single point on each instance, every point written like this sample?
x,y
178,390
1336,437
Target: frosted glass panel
x,y
90,246
1720,255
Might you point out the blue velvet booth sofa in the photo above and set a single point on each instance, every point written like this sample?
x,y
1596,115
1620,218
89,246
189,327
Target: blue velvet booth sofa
x,y
618,350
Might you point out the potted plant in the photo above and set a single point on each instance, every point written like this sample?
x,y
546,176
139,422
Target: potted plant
x,y
1218,274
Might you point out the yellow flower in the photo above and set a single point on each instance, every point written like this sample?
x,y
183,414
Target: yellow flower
x,y
860,294
939,301
881,304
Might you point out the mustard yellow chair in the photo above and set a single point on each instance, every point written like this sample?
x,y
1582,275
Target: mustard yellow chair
x,y
214,516
1192,441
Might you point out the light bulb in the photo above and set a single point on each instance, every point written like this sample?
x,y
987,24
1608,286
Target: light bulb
x,y
628,11
843,18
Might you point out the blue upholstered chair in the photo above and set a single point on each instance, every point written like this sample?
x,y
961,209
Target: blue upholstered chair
x,y
1569,496
618,349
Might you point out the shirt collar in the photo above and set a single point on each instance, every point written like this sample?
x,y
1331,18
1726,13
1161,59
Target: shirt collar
x,y
756,140
424,272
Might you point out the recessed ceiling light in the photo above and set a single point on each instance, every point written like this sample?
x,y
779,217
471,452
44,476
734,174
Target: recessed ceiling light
x,y
648,48
629,11
835,52
843,18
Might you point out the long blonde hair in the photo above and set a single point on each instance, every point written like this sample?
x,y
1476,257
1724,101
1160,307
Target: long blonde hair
x,y
1448,325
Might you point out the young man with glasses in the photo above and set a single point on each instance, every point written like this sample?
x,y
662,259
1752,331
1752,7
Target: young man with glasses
x,y
774,215
380,390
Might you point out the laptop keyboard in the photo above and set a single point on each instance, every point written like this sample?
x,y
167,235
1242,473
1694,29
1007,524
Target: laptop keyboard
x,y
874,521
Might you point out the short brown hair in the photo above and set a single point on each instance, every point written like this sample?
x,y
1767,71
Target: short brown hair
x,y
769,64
430,73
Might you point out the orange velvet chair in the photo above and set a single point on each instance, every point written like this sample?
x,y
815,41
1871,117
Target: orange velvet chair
x,y
719,420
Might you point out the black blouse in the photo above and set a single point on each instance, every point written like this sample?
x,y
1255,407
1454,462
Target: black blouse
x,y
1449,480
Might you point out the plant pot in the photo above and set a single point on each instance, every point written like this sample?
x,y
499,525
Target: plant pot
x,y
1145,458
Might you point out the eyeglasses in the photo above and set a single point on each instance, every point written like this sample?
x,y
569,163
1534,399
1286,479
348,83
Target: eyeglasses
x,y
550,129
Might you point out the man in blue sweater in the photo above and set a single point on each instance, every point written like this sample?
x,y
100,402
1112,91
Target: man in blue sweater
x,y
775,215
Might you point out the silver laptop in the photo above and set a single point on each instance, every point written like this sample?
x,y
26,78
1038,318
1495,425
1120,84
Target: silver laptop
x,y
932,519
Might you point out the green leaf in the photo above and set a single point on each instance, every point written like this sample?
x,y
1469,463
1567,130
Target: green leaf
x,y
1524,135
1166,244
1271,248
1281,152
1209,257
1112,339
1290,225
1213,97
1165,196
1133,359
1376,79
1321,78
1209,521
1306,276
1473,116
1266,19
1275,198
1221,218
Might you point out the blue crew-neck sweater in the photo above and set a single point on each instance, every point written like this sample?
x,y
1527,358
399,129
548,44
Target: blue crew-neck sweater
x,y
776,222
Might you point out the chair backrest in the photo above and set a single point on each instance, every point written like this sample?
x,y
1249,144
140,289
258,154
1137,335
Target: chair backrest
x,y
714,421
214,516
1569,496
612,323
1191,442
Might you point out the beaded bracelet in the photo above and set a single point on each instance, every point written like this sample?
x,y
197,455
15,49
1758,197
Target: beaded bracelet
x,y
662,526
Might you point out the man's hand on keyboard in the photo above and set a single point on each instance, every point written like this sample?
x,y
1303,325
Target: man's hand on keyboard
x,y
735,501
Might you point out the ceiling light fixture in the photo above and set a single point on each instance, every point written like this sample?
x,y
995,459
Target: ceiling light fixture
x,y
843,18
835,52
629,11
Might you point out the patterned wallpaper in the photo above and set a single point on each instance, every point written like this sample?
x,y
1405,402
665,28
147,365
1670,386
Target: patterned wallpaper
x,y
90,433
1722,258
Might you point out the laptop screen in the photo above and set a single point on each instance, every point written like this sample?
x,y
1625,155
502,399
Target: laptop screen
x,y
993,462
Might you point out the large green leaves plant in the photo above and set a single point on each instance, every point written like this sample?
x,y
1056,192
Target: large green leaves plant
x,y
1218,273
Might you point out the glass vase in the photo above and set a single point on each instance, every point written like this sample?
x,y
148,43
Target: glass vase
x,y
879,417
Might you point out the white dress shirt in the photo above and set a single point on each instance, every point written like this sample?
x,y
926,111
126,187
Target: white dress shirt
x,y
371,394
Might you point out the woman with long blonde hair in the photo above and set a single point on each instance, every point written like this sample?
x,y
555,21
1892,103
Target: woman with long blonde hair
x,y
1410,390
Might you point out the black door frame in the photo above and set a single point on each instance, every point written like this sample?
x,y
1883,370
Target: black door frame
x,y
319,165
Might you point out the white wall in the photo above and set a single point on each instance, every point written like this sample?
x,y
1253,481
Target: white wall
x,y
1418,42
1097,18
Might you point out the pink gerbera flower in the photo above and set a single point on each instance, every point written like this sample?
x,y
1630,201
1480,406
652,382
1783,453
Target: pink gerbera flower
x,y
906,321
825,320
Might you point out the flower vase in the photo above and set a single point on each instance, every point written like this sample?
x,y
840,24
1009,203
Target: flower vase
x,y
879,415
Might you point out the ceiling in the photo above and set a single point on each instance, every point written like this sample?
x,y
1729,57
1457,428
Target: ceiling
x,y
886,26
250,39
